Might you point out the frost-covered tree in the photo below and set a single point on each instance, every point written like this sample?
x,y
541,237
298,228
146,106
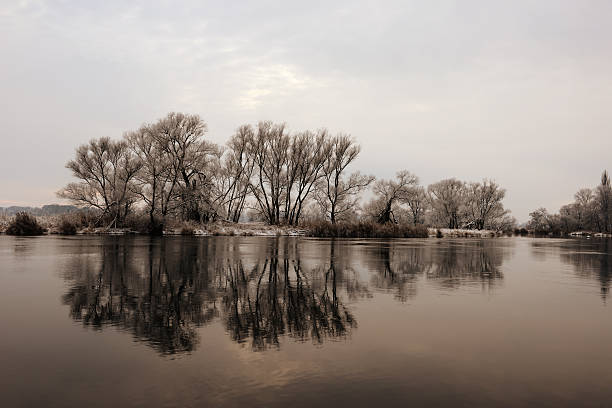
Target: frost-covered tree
x,y
417,202
106,170
337,194
193,161
391,193
483,204
447,198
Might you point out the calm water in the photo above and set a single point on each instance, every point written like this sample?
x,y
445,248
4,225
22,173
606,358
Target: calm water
x,y
251,321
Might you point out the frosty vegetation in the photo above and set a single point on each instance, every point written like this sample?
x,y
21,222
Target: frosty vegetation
x,y
591,211
168,170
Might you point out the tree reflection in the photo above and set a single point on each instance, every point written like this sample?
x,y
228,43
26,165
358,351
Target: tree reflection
x,y
262,290
163,291
278,297
276,300
450,265
591,259
160,302
479,263
397,269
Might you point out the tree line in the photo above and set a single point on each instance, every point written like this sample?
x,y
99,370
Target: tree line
x,y
591,211
168,169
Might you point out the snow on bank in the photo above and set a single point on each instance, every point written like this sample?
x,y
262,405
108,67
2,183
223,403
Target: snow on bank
x,y
463,233
241,229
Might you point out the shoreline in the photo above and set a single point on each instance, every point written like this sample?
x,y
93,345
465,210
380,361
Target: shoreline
x,y
302,232
256,229
52,226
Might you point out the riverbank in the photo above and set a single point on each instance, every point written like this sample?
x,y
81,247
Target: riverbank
x,y
57,226
464,233
60,226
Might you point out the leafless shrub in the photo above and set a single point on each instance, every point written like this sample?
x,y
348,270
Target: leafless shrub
x,y
24,224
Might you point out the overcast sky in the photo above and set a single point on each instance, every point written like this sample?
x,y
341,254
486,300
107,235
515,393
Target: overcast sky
x,y
520,92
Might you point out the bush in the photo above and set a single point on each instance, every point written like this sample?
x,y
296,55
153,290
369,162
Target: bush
x,y
521,231
24,224
141,222
67,228
4,223
81,219
187,230
366,230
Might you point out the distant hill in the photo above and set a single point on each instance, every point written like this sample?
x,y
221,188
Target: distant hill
x,y
51,209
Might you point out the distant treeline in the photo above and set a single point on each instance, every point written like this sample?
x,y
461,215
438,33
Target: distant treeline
x,y
168,169
45,210
591,211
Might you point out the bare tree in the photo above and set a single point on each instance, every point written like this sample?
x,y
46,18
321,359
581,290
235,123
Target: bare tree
x,y
484,203
506,223
586,213
541,221
192,159
106,169
336,194
282,169
236,172
416,199
391,192
270,151
447,199
307,158
568,217
154,183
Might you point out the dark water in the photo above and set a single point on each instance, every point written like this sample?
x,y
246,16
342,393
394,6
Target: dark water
x,y
250,321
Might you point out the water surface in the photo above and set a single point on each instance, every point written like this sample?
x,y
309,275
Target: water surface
x,y
252,321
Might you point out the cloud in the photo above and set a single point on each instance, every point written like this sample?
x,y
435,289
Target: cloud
x,y
271,83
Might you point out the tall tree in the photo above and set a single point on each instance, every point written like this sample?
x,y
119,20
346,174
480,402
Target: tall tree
x,y
308,154
447,200
236,172
192,160
584,208
107,170
417,203
270,151
604,201
155,183
484,203
337,195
